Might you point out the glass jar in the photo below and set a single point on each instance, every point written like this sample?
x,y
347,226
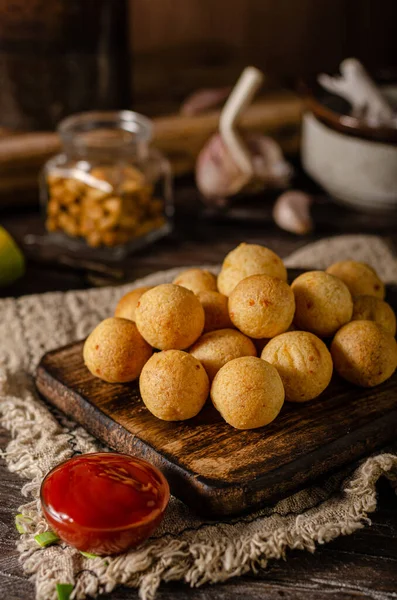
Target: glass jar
x,y
109,188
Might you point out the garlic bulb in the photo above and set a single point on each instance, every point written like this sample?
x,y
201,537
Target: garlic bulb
x,y
231,161
218,176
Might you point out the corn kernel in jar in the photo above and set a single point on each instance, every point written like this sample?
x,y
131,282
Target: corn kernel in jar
x,y
108,187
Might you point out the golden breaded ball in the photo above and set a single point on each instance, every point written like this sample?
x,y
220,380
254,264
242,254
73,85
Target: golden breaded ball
x,y
197,280
115,351
174,385
215,310
364,353
262,306
323,303
261,343
246,260
303,363
369,308
169,317
360,278
127,304
216,348
248,392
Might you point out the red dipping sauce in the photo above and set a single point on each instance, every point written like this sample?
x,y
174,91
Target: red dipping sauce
x,y
105,502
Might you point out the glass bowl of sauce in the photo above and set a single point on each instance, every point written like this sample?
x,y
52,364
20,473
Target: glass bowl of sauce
x,y
104,503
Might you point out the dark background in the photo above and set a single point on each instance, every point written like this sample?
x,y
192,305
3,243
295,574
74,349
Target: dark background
x,y
181,45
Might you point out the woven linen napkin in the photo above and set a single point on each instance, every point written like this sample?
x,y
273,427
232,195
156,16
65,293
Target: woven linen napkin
x,y
185,547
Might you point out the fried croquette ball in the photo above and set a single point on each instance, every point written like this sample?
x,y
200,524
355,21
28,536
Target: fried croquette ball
x,y
323,303
246,260
262,306
369,308
174,385
197,280
261,343
360,278
169,317
248,392
127,304
115,351
216,348
303,363
215,310
364,353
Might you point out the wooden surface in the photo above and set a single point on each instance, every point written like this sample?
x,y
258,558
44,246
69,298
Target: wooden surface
x,y
200,236
358,567
362,566
214,468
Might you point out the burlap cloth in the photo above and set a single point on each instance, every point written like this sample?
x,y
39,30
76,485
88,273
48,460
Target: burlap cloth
x,y
185,547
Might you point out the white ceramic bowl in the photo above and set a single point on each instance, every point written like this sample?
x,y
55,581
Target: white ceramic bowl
x,y
355,171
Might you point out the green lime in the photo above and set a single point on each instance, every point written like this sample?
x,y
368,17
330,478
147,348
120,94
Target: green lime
x,y
12,261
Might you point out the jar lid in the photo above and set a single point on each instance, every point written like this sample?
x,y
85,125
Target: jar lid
x,y
110,128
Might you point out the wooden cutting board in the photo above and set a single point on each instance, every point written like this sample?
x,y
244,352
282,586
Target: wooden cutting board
x,y
216,469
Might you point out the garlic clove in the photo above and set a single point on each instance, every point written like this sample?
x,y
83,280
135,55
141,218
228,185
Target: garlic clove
x,y
269,163
292,212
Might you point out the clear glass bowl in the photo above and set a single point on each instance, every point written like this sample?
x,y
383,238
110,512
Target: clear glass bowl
x,y
104,502
108,190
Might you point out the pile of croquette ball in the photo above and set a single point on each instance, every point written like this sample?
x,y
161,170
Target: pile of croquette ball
x,y
246,338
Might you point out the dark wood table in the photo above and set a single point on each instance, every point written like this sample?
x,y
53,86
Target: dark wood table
x,y
361,566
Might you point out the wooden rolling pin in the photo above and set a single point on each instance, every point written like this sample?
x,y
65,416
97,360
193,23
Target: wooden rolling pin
x,y
179,137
